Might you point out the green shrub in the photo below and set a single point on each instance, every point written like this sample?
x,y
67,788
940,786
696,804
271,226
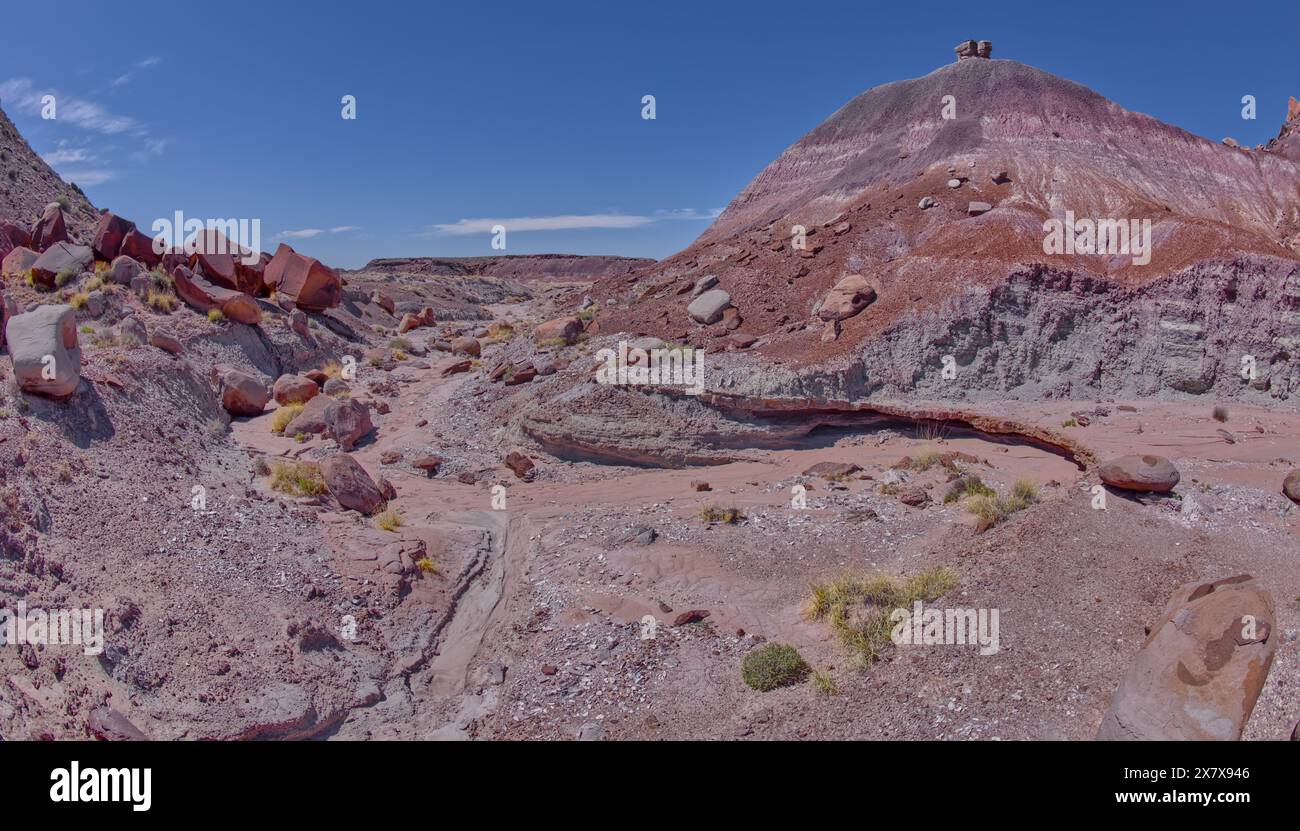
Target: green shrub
x,y
773,665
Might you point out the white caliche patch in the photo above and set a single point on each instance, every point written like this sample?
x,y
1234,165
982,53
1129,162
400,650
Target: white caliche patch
x,y
946,627
1108,237
659,367
77,784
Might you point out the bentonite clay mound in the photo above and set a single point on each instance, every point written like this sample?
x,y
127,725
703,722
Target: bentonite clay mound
x,y
977,285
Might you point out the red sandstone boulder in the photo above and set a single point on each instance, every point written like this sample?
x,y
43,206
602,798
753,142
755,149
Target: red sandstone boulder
x,y
304,280
312,418
242,394
204,296
294,389
1143,474
428,464
252,277
11,237
348,482
166,342
50,228
139,247
466,346
848,297
124,270
521,465
564,329
110,232
61,257
409,322
17,261
1201,669
347,422
521,375
1291,485
214,257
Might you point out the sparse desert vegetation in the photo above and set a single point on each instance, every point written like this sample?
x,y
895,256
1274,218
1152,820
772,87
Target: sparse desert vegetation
x,y
858,606
994,510
773,665
297,478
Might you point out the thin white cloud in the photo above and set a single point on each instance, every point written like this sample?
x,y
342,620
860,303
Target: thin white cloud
x,y
308,233
688,213
22,96
126,77
566,222
67,155
87,178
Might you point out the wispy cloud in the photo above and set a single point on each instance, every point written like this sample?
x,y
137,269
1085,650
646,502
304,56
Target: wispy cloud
x,y
22,96
308,233
78,164
87,178
126,77
566,222
67,155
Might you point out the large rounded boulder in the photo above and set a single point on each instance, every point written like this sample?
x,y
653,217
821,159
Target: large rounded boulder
x,y
848,297
1201,669
347,422
243,394
1140,473
61,257
18,261
348,482
294,389
312,418
45,351
1291,485
565,329
709,306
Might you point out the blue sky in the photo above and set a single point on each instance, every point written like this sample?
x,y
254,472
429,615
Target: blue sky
x,y
483,111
